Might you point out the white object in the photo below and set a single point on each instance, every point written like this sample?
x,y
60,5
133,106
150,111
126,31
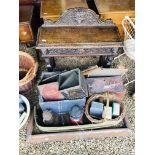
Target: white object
x,y
129,36
107,114
25,116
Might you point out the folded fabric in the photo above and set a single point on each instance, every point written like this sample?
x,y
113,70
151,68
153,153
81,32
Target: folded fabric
x,y
50,91
69,79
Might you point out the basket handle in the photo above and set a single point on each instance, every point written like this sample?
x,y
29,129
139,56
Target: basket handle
x,y
29,72
131,22
107,95
107,105
22,69
125,30
34,69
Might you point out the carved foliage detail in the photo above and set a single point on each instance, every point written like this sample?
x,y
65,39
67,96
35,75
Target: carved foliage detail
x,y
79,17
101,51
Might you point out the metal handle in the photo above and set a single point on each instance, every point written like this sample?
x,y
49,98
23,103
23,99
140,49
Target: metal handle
x,y
24,33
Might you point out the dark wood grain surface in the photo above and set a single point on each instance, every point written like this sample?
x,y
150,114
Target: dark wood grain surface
x,y
105,6
52,9
25,20
116,10
25,13
66,36
27,2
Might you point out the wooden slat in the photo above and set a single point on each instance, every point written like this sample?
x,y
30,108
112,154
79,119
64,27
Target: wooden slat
x,y
66,136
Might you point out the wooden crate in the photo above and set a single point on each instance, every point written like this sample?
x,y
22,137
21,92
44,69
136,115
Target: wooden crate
x,y
77,135
86,131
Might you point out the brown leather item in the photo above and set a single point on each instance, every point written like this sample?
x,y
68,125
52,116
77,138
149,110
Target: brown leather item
x,y
25,24
50,91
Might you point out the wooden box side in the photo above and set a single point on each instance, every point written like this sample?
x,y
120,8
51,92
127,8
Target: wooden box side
x,y
66,136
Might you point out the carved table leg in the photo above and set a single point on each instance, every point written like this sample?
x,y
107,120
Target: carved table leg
x,y
38,53
105,61
50,63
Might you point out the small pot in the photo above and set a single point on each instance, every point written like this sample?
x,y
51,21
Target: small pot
x,y
96,109
27,71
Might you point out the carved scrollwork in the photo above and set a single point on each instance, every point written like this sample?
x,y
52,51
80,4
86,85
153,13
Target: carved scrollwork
x,y
78,17
93,51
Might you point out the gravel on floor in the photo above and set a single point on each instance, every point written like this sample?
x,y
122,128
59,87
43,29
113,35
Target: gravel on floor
x,y
103,146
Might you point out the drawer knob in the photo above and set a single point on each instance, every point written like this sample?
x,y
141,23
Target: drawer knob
x,y
24,33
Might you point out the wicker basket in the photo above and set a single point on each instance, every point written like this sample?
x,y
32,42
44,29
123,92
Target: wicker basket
x,y
27,71
129,36
107,97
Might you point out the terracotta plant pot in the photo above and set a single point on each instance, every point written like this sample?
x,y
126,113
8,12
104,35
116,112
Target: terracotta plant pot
x,y
27,71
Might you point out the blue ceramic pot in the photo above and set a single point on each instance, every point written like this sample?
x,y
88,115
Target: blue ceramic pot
x,y
96,109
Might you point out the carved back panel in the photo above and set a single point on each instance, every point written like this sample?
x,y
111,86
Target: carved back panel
x,y
78,17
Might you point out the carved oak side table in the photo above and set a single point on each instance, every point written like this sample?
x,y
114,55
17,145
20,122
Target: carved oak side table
x,y
78,32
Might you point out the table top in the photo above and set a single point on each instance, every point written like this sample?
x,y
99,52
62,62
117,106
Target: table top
x,y
106,6
25,13
51,9
78,37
